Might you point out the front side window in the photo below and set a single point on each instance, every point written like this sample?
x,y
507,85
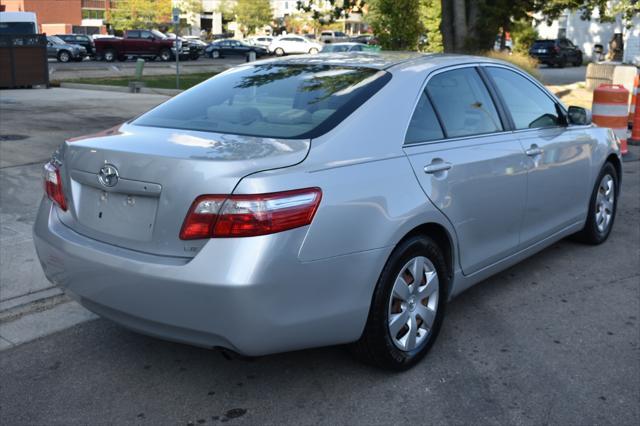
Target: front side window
x,y
133,34
529,106
463,103
270,100
424,125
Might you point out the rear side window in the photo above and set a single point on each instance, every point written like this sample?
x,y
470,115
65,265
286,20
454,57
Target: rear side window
x,y
270,100
424,125
529,106
463,103
133,34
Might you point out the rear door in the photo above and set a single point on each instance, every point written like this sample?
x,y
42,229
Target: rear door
x,y
558,156
468,165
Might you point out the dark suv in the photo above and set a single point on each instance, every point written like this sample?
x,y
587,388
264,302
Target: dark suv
x,y
81,40
558,52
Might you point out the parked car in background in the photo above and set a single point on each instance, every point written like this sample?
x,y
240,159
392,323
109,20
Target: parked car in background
x,y
195,40
189,48
18,23
297,203
333,37
231,47
262,41
64,52
559,52
364,39
344,47
292,44
137,43
81,40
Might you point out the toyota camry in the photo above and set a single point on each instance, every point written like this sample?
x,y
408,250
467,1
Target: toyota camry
x,y
322,199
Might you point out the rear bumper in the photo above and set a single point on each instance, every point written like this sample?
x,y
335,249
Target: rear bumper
x,y
250,295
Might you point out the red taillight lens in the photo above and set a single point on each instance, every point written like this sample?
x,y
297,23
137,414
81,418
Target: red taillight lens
x,y
212,216
556,49
53,185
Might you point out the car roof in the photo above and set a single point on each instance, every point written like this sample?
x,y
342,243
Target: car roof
x,y
385,60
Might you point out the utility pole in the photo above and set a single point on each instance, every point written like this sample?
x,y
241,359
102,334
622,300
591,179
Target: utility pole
x,y
178,43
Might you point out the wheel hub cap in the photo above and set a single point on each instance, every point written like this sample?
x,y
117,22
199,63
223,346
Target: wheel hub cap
x,y
413,304
605,202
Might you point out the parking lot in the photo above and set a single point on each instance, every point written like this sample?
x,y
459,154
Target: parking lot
x,y
553,340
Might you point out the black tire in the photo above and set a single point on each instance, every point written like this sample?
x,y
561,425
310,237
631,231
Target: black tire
x,y
590,234
313,51
165,55
64,56
376,346
578,61
109,55
122,58
279,51
562,62
215,54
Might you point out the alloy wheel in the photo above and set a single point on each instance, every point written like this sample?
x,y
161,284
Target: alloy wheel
x,y
413,304
605,203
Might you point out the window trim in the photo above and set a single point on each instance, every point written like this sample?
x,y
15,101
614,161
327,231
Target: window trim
x,y
476,65
556,101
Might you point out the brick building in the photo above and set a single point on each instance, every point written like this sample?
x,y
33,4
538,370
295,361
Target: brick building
x,y
64,16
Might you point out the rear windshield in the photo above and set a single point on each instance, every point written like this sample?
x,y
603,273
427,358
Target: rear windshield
x,y
270,100
544,43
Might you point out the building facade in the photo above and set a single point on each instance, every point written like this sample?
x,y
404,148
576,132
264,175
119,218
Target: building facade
x,y
64,16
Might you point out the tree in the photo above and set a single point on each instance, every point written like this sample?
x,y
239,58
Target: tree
x,y
139,14
430,15
252,14
396,23
190,9
338,9
227,14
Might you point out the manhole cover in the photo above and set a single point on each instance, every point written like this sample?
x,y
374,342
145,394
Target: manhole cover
x,y
12,137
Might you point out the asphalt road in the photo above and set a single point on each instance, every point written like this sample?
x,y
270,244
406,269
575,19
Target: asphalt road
x,y
554,340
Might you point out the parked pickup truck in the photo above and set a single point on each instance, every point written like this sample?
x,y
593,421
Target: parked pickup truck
x,y
141,43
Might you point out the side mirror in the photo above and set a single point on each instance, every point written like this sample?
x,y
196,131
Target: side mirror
x,y
579,116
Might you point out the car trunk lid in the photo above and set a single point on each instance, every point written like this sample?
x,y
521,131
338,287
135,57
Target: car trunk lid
x,y
132,186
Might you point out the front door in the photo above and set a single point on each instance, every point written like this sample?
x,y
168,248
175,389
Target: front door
x,y
558,156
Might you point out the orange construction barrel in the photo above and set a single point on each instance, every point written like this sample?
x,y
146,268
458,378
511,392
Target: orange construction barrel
x,y
611,109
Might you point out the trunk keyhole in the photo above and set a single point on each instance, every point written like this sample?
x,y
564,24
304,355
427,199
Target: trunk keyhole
x,y
100,215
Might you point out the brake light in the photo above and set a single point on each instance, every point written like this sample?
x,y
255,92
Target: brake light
x,y
216,216
53,185
556,49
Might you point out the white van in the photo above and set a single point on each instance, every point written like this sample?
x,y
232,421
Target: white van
x,y
18,23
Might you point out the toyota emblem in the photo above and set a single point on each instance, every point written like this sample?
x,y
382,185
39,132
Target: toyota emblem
x,y
108,175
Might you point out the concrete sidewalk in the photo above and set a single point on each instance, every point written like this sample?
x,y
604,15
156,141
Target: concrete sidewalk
x,y
32,124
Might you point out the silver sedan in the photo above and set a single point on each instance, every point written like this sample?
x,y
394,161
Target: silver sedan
x,y
321,200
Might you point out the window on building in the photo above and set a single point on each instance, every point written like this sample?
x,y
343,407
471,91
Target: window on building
x,y
92,14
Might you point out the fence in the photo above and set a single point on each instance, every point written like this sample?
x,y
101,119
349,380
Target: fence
x,y
23,60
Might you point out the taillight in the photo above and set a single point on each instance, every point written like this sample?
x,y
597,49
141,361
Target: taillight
x,y
556,49
53,185
216,216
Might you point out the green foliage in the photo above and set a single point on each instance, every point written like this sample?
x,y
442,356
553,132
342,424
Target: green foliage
x,y
430,15
252,14
132,14
396,23
607,9
523,35
521,60
338,9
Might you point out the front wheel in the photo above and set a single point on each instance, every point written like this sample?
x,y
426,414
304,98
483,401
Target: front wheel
x,y
64,56
313,51
602,207
215,54
407,306
279,51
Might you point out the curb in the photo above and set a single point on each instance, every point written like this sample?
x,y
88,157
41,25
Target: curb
x,y
121,89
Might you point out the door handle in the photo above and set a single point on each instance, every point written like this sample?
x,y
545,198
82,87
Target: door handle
x,y
437,167
534,150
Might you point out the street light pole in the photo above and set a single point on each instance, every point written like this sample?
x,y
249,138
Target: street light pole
x,y
178,43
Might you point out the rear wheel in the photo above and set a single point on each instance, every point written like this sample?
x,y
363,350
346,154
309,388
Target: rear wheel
x,y
215,54
109,55
407,307
279,51
64,56
602,207
313,51
165,55
578,61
